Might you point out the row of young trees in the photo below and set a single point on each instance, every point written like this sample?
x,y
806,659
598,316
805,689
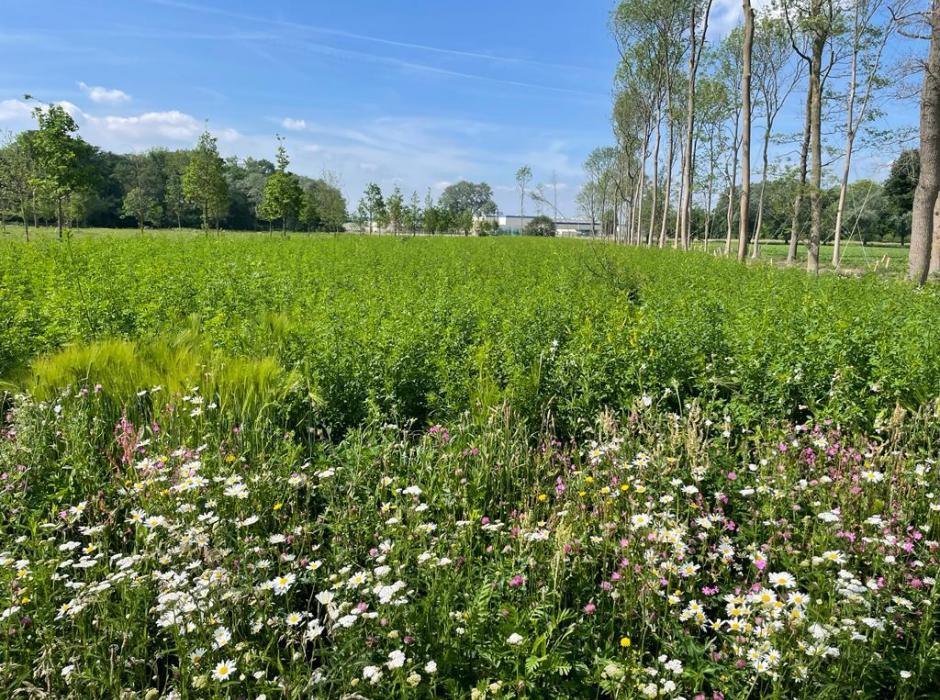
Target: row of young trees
x,y
50,174
872,211
684,118
461,208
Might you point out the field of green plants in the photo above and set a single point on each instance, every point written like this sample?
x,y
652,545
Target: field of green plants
x,y
336,466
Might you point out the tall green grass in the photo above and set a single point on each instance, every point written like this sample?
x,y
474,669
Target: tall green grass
x,y
427,329
145,375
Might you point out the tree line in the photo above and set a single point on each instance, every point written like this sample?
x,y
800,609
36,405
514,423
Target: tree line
x,y
462,207
687,107
51,175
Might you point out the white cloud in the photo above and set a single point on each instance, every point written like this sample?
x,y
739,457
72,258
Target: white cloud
x,y
14,110
20,113
172,125
294,124
727,14
170,128
103,95
411,151
73,109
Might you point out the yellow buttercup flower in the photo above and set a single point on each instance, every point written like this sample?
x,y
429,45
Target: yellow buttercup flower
x,y
278,506
542,498
625,642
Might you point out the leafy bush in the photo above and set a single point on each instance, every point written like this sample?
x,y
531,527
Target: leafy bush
x,y
539,226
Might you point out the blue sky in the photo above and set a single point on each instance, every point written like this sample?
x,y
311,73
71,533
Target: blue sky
x,y
418,93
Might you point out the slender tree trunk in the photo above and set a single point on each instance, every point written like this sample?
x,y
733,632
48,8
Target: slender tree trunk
x,y
733,183
843,192
636,208
653,202
642,191
25,219
676,232
631,211
849,141
708,207
729,214
667,194
744,216
765,162
815,145
854,118
695,53
58,211
801,187
695,146
676,241
935,244
923,231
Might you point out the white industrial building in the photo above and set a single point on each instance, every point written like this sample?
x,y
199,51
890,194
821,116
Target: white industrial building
x,y
514,223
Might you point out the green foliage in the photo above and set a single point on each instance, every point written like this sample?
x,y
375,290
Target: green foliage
x,y
468,199
62,160
266,407
899,190
138,204
461,561
246,180
283,197
396,209
145,187
425,329
539,226
17,177
372,208
203,181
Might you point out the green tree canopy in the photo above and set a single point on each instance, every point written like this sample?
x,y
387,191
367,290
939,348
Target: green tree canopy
x,y
283,196
61,157
204,181
539,226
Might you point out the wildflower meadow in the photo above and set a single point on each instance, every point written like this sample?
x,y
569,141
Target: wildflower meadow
x,y
335,467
